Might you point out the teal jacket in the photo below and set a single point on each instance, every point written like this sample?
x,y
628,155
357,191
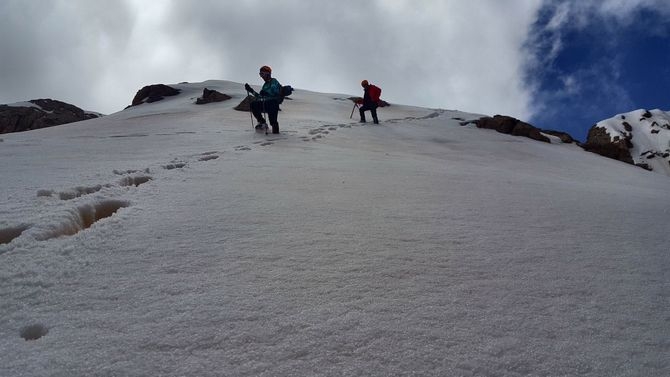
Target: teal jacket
x,y
270,90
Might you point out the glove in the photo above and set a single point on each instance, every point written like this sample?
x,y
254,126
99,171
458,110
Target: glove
x,y
248,88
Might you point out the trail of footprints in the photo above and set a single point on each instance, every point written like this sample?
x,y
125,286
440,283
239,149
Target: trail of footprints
x,y
85,215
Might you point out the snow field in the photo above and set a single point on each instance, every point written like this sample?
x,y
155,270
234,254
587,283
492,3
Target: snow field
x,y
417,247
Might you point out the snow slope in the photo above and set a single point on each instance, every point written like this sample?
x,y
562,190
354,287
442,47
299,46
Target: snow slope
x,y
650,136
171,239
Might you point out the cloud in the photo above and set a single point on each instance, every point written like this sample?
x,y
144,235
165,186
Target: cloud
x,y
96,54
581,63
49,45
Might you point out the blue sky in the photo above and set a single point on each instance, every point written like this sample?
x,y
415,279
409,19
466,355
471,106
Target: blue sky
x,y
591,64
561,65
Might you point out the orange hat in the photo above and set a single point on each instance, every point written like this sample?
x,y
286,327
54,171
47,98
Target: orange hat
x,y
364,83
265,68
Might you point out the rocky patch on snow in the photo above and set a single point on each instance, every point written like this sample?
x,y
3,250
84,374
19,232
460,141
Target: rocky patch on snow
x,y
512,126
153,93
209,96
40,113
640,137
245,105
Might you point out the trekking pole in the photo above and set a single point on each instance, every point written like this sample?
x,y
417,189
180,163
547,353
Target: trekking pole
x,y
251,115
265,116
352,110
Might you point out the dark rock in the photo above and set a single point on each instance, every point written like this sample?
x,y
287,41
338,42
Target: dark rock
x,y
627,126
509,125
647,114
644,166
51,113
245,105
599,141
153,93
209,96
655,131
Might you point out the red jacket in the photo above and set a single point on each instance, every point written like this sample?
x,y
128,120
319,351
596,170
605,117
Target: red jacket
x,y
372,95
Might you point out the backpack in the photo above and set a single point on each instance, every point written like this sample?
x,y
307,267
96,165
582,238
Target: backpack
x,y
285,91
375,93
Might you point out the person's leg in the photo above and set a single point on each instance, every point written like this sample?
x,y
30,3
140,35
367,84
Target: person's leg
x,y
373,111
272,108
362,111
257,110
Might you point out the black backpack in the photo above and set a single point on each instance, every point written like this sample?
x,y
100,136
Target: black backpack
x,y
285,91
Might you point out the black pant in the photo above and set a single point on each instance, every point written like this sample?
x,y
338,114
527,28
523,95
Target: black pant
x,y
373,110
270,106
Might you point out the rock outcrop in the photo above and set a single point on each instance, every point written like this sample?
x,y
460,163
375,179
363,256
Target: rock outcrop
x,y
512,126
40,113
640,137
599,141
153,93
209,96
245,105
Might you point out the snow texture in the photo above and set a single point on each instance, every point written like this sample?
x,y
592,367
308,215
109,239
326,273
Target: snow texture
x,y
171,239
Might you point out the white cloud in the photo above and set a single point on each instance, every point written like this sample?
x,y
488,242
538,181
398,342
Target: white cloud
x,y
453,54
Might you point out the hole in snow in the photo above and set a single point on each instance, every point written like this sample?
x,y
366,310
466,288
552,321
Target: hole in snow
x,y
45,193
92,213
135,180
208,157
7,235
34,332
176,165
83,217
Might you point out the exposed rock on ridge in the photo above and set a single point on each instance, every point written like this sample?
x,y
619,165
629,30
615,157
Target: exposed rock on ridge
x,y
153,93
512,126
640,137
44,113
209,96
